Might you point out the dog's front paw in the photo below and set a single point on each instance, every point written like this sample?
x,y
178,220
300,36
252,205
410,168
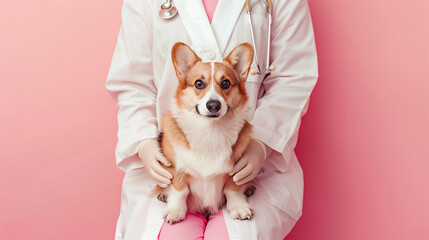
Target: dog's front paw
x,y
174,215
241,212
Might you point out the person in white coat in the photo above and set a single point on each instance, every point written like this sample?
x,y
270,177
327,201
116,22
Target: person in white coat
x,y
143,81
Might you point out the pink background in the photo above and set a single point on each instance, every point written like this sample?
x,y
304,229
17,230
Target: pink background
x,y
364,145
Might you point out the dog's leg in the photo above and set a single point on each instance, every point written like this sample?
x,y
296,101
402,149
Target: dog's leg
x,y
177,194
236,200
176,205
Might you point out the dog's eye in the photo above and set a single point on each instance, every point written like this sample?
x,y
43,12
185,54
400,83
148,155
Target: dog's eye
x,y
225,84
199,84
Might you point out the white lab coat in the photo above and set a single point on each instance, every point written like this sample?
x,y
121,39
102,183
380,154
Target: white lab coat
x,y
143,81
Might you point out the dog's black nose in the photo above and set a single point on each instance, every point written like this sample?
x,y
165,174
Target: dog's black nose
x,y
213,106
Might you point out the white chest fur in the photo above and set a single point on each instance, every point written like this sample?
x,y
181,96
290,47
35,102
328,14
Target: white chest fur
x,y
210,144
206,194
208,159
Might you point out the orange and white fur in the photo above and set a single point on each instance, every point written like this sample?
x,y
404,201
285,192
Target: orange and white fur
x,y
205,134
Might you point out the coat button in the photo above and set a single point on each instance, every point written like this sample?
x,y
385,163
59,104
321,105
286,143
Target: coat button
x,y
211,56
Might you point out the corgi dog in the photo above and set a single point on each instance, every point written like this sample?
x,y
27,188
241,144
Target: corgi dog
x,y
205,134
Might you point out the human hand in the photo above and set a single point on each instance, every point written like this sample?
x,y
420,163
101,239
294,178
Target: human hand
x,y
249,164
152,157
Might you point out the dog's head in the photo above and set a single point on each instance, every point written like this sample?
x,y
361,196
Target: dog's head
x,y
212,89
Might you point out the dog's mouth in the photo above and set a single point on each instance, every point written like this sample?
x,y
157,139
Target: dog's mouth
x,y
196,109
209,115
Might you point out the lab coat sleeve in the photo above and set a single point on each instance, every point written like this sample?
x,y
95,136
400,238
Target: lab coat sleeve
x,y
287,90
130,82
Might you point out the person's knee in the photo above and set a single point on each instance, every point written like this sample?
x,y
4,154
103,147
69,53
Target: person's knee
x,y
192,227
216,228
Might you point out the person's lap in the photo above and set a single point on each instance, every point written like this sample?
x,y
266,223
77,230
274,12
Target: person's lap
x,y
269,222
196,227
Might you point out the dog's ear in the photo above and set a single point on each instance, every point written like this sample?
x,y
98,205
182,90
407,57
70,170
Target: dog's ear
x,y
183,59
241,58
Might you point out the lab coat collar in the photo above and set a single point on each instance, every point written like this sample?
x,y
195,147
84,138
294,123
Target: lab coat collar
x,y
225,19
209,41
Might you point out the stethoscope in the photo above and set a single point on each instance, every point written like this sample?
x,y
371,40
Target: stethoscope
x,y
168,11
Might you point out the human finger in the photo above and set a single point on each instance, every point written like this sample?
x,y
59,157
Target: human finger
x,y
158,178
242,173
156,166
162,159
249,178
239,165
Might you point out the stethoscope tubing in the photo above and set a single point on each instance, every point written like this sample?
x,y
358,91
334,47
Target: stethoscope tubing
x,y
269,7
